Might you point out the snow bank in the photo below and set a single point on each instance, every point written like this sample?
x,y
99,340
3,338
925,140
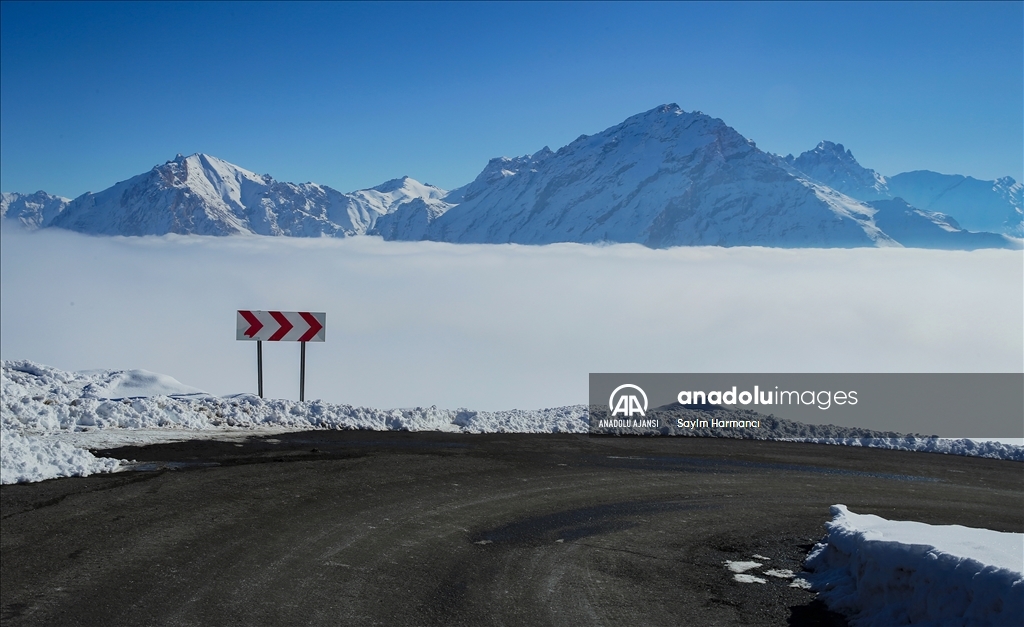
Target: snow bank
x,y
28,458
882,572
784,430
42,400
26,378
43,409
72,407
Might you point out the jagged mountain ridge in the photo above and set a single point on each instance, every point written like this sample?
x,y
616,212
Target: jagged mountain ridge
x,y
32,211
204,195
975,205
665,177
831,164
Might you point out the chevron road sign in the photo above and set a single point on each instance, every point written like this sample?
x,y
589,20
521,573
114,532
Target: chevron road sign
x,y
281,326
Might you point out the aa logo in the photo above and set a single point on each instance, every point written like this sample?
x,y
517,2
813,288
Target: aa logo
x,y
623,403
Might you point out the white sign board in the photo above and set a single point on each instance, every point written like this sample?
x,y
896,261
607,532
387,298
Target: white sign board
x,y
281,326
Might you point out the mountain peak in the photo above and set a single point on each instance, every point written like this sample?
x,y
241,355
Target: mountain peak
x,y
826,148
834,165
830,150
33,211
670,121
393,185
660,111
390,194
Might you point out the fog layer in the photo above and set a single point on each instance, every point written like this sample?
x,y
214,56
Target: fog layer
x,y
497,327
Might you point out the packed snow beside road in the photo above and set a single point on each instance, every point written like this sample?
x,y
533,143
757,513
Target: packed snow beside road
x,y
883,572
47,412
26,459
49,417
40,399
28,379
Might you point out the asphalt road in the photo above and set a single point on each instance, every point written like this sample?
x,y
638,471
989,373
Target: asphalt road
x,y
370,528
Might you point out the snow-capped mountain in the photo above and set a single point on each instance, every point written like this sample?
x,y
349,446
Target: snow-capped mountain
x,y
667,177
917,228
31,211
662,178
392,194
976,205
205,195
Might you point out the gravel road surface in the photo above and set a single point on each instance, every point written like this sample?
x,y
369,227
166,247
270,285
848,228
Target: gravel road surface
x,y
398,528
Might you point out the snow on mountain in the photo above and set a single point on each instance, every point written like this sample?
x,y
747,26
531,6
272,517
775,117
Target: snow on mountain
x,y
31,211
664,178
389,195
197,194
205,195
661,178
836,167
404,205
993,206
917,228
410,221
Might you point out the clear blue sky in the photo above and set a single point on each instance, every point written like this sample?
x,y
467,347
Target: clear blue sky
x,y
350,95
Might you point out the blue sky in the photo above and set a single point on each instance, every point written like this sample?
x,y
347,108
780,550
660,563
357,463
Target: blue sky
x,y
350,95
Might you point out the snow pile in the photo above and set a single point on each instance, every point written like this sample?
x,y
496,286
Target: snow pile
x,y
882,572
42,400
29,379
118,384
782,429
29,458
45,413
37,414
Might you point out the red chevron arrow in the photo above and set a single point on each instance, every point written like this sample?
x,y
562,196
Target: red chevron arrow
x,y
286,326
314,326
254,323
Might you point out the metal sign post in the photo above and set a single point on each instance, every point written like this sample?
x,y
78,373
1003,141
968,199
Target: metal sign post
x,y
281,326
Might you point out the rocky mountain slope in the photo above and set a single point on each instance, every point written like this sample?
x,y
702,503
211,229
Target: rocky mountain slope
x,y
975,205
205,195
662,178
668,177
32,211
